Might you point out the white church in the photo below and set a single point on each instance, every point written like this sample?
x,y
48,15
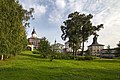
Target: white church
x,y
33,41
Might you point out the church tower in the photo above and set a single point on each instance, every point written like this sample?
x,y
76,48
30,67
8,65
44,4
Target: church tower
x,y
95,48
34,35
33,40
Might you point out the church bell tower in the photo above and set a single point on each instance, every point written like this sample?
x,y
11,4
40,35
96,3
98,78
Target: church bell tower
x,y
34,35
95,48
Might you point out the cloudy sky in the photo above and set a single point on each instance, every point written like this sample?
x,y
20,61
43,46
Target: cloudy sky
x,y
50,14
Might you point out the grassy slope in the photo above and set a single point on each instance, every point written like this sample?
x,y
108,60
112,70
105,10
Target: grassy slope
x,y
29,66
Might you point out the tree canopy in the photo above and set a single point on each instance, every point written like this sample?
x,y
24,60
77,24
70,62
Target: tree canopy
x,y
44,46
118,50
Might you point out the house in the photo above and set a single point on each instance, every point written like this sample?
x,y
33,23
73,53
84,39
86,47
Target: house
x,y
95,48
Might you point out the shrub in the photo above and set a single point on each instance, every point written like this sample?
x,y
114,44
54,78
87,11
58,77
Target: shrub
x,y
66,56
80,58
43,56
88,58
35,52
62,56
84,58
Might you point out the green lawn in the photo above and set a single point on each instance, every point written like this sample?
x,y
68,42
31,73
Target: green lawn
x,y
28,66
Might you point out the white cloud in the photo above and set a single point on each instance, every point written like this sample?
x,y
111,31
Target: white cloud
x,y
39,9
60,4
63,9
110,17
57,15
56,18
71,1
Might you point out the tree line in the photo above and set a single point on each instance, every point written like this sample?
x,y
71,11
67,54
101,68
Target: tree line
x,y
13,21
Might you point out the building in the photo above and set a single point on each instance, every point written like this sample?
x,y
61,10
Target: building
x,y
108,53
33,41
95,48
67,47
57,47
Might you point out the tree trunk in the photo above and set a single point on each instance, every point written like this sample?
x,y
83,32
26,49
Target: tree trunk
x,y
83,36
83,45
73,51
7,57
2,57
82,49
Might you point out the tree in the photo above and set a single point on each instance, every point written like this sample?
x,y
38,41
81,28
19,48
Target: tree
x,y
78,28
118,50
108,49
13,19
70,31
44,46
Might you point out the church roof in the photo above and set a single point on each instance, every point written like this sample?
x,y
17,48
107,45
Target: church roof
x,y
34,38
33,32
95,43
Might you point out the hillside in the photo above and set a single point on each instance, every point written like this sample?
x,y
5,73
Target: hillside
x,y
28,66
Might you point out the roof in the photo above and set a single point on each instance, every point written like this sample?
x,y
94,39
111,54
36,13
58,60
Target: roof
x,y
104,51
33,38
33,32
96,45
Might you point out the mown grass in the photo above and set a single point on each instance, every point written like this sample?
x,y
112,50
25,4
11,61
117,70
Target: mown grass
x,y
28,66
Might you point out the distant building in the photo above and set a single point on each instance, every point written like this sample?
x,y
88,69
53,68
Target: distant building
x,y
67,47
57,47
108,53
33,41
95,48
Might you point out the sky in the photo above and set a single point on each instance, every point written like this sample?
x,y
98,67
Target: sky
x,y
50,14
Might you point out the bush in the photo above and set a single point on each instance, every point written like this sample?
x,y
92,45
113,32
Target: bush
x,y
35,52
43,56
80,58
84,58
66,56
62,56
88,58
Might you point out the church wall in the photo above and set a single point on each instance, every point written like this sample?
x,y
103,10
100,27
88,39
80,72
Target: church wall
x,y
95,50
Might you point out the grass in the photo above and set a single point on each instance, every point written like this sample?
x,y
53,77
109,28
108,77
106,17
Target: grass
x,y
28,66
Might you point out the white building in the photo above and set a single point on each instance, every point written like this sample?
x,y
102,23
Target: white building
x,y
67,47
57,47
33,41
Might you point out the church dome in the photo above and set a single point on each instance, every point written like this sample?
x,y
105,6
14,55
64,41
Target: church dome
x,y
33,32
34,35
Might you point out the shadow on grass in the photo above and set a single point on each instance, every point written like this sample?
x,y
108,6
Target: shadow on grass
x,y
34,57
31,55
